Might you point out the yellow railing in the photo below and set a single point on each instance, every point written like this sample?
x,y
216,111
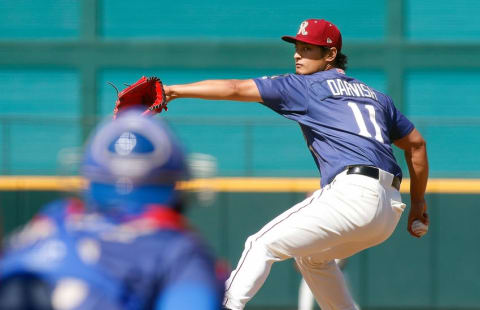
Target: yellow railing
x,y
228,184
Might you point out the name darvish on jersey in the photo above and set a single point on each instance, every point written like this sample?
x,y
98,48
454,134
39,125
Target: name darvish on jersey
x,y
340,87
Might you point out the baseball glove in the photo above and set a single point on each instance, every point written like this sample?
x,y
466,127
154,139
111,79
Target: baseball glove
x,y
146,93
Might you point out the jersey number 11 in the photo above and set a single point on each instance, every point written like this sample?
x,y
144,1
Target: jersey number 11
x,y
361,122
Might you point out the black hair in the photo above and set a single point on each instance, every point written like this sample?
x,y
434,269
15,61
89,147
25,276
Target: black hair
x,y
340,61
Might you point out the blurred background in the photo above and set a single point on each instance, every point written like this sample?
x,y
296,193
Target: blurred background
x,y
56,57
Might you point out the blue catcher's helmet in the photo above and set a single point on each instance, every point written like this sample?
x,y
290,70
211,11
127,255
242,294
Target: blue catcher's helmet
x,y
131,162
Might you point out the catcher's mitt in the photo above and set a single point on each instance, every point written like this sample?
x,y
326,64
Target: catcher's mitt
x,y
146,93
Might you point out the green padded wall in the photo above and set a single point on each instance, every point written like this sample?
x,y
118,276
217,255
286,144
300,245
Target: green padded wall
x,y
39,92
217,19
37,107
32,19
64,52
444,104
433,20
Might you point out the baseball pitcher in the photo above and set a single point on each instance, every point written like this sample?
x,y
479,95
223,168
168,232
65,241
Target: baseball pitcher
x,y
349,129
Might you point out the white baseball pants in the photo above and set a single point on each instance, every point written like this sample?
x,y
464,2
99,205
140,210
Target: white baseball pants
x,y
306,300
352,213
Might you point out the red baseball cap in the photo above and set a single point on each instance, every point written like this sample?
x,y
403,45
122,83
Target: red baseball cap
x,y
317,32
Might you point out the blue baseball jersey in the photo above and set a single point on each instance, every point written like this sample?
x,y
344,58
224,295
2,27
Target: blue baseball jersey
x,y
344,121
149,262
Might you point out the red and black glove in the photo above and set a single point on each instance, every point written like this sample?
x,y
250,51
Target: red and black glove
x,y
146,93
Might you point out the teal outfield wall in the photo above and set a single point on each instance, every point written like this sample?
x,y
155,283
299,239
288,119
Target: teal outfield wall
x,y
438,271
56,57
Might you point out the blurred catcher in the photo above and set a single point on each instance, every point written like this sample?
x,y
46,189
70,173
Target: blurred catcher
x,y
127,246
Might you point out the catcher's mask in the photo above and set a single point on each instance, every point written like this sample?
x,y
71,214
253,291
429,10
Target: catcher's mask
x,y
132,162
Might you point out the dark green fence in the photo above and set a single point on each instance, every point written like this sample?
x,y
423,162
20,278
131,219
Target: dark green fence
x,y
438,271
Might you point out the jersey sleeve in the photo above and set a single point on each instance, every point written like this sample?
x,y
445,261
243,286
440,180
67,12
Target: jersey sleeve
x,y
401,125
284,94
191,280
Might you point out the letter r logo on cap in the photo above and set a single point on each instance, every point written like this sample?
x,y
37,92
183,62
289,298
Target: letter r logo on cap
x,y
303,28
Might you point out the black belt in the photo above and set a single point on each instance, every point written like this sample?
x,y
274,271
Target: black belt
x,y
372,172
